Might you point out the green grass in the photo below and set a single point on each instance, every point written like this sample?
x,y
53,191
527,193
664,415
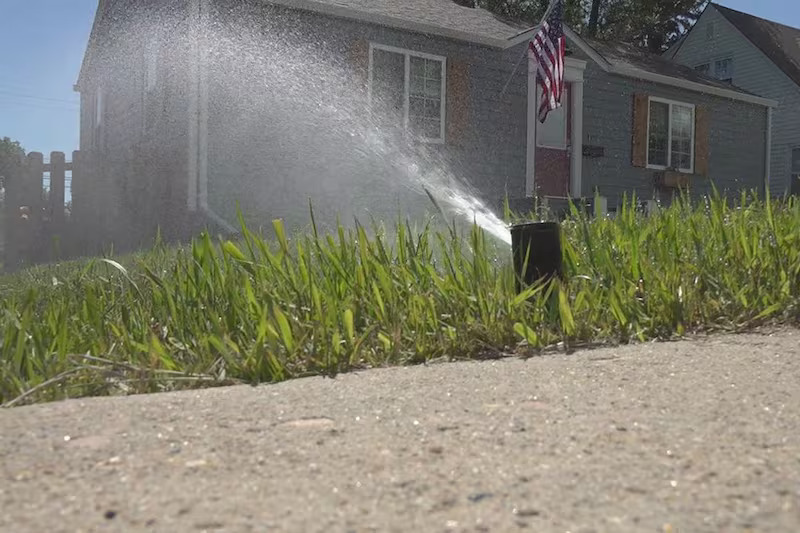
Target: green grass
x,y
256,311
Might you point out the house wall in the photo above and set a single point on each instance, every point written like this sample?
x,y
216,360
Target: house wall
x,y
140,147
753,72
279,121
736,144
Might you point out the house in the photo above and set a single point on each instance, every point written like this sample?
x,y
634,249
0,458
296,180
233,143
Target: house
x,y
762,57
196,107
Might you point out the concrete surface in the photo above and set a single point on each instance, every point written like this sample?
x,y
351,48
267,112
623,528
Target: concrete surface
x,y
691,436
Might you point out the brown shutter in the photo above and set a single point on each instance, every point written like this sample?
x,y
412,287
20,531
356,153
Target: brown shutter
x,y
640,118
457,100
359,58
701,134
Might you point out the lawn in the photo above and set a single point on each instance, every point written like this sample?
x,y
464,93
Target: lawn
x,y
263,310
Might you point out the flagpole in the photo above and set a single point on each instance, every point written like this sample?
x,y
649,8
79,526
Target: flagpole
x,y
547,12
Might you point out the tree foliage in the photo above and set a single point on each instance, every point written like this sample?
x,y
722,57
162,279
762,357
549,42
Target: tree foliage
x,y
650,24
10,155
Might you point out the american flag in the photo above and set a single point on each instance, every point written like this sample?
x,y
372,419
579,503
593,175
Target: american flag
x,y
548,48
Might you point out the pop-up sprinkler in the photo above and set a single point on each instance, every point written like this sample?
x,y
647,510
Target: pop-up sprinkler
x,y
540,242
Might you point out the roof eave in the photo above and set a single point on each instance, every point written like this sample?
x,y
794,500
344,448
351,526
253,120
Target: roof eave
x,y
393,22
90,45
694,86
663,79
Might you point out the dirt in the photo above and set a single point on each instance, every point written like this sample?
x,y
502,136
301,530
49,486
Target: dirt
x,y
688,436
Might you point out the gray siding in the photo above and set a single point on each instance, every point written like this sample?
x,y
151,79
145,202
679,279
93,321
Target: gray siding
x,y
143,162
260,155
754,72
736,145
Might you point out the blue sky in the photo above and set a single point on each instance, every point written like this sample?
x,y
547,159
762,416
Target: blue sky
x,y
43,42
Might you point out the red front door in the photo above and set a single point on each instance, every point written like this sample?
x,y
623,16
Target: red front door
x,y
552,150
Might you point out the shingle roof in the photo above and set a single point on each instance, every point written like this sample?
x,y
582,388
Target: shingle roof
x,y
442,14
625,56
780,43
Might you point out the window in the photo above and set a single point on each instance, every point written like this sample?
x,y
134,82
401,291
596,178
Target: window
x,y
408,89
711,30
670,135
794,188
723,70
553,133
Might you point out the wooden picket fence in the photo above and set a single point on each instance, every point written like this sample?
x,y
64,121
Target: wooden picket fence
x,y
36,226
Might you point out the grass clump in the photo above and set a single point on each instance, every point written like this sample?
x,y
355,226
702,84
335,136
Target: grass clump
x,y
255,311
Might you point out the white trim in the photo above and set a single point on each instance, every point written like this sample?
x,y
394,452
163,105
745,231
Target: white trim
x,y
670,104
573,73
576,163
407,55
573,69
530,167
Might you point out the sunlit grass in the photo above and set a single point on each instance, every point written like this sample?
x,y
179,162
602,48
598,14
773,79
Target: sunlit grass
x,y
260,310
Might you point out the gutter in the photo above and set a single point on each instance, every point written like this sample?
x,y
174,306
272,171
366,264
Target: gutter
x,y
197,175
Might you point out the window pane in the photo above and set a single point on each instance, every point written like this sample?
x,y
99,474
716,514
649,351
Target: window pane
x,y
433,88
425,127
796,161
553,133
657,142
722,69
703,69
417,67
682,137
433,69
388,84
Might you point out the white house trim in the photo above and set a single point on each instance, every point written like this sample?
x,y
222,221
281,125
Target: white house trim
x,y
669,133
573,73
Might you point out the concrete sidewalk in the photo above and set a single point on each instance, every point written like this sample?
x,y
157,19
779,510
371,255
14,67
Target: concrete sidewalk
x,y
690,436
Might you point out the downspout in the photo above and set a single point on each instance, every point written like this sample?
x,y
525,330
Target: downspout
x,y
198,188
193,126
768,154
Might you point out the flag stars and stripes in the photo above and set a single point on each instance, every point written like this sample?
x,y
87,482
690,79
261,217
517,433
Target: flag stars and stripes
x,y
548,49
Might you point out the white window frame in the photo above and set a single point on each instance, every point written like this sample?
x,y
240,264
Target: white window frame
x,y
669,134
407,55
